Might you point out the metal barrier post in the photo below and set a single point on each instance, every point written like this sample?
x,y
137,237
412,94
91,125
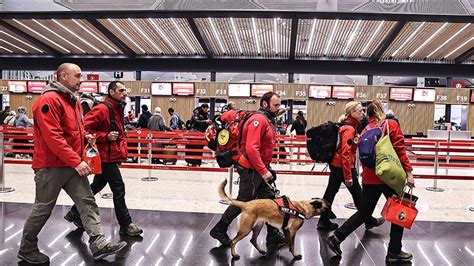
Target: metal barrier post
x,y
3,189
435,187
231,177
291,152
149,177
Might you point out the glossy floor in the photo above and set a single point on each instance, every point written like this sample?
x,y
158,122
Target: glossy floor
x,y
178,238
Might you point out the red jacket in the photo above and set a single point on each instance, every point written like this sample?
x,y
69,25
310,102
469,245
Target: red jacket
x,y
345,154
258,140
98,121
398,143
58,129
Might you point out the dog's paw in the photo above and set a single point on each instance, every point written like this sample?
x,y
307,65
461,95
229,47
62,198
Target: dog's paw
x,y
297,257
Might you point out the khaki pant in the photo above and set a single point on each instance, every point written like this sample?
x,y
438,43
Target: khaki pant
x,y
49,182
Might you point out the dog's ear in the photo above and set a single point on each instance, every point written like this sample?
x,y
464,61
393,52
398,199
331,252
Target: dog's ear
x,y
317,203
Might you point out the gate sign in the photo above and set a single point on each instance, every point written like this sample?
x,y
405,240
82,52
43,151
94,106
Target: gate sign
x,y
17,86
88,86
36,86
401,94
320,92
183,88
343,92
103,87
257,90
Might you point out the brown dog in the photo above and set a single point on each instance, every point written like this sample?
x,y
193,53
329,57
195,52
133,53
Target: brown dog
x,y
255,212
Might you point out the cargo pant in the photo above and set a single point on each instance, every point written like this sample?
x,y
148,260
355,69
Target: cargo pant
x,y
49,182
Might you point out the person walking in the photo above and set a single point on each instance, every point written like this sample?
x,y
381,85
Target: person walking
x,y
373,188
255,174
59,138
144,117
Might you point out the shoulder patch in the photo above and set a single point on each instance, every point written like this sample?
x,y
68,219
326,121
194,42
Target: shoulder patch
x,y
256,123
45,109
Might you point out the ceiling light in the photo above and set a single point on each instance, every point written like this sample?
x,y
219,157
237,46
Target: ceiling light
x,y
373,37
95,36
255,35
448,40
216,35
429,39
413,34
235,34
162,34
11,44
275,35
59,36
353,34
42,36
6,49
459,47
76,35
27,44
330,38
310,43
126,35
183,36
144,35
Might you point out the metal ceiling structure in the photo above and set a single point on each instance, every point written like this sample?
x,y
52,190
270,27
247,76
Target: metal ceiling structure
x,y
240,41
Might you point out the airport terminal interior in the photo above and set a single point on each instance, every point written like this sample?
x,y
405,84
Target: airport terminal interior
x,y
416,57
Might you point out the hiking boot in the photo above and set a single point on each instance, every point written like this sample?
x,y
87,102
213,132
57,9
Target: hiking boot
x,y
33,257
400,257
276,238
327,225
334,244
131,230
73,217
109,249
378,222
219,232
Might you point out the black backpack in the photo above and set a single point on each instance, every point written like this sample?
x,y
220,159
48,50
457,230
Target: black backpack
x,y
323,140
113,123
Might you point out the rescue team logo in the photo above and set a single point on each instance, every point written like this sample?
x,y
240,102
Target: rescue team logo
x,y
256,123
223,137
401,216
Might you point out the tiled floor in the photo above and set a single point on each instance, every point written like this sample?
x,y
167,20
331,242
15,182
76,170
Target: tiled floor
x,y
178,210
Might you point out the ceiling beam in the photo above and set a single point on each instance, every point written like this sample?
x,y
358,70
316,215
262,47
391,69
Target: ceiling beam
x,y
112,37
464,56
96,14
32,40
387,41
199,37
151,63
294,34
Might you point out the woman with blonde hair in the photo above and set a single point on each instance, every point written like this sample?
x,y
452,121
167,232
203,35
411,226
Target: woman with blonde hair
x,y
343,168
373,188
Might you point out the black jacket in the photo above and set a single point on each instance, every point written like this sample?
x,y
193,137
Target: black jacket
x,y
143,119
198,120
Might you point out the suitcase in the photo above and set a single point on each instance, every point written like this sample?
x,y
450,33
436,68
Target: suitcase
x,y
189,153
170,152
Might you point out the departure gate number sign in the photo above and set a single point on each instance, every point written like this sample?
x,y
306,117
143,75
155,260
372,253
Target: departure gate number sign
x,y
161,89
424,95
183,88
17,86
239,90
89,87
401,94
320,91
343,92
257,90
36,86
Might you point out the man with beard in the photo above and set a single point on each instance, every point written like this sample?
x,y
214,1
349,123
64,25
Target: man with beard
x,y
258,141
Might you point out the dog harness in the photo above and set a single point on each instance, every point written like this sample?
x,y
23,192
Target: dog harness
x,y
288,209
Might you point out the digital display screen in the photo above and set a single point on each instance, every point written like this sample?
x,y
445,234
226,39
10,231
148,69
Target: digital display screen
x,y
17,86
89,87
36,86
183,88
320,91
239,90
161,89
343,92
257,90
103,87
401,94
424,95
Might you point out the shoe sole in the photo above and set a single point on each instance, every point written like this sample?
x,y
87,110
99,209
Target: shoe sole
x,y
101,256
21,257
397,260
74,222
127,234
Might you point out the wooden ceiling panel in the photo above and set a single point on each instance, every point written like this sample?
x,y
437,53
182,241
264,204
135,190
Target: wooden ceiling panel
x,y
11,43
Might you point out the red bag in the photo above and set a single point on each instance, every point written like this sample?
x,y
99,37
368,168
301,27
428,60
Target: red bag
x,y
92,157
400,212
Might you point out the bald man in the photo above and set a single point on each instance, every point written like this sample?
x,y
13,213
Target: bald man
x,y
59,138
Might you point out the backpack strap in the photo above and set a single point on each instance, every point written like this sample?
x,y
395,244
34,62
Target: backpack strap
x,y
113,123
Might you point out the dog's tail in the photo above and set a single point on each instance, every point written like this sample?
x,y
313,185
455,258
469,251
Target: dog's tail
x,y
226,198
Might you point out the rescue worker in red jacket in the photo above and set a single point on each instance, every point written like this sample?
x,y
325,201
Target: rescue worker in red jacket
x,y
373,187
258,141
343,168
113,151
59,138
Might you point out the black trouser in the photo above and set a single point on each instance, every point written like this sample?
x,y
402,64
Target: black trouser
x,y
336,178
251,186
111,174
370,197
